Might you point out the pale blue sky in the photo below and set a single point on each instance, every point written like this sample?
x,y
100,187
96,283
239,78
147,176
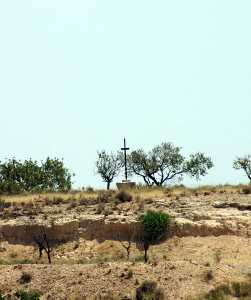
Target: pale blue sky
x,y
77,76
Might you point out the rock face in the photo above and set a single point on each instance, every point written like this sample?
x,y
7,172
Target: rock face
x,y
25,233
192,217
87,227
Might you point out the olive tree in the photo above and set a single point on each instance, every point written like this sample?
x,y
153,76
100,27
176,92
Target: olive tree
x,y
165,162
108,166
243,163
154,228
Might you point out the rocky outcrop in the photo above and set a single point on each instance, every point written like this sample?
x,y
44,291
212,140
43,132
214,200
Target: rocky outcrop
x,y
191,218
99,228
25,233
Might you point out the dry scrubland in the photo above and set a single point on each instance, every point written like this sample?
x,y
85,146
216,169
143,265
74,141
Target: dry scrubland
x,y
207,255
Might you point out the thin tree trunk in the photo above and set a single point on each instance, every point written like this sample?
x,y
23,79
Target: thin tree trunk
x,y
146,247
108,185
145,257
40,252
49,256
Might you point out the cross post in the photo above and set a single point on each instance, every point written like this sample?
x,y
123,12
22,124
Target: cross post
x,y
125,149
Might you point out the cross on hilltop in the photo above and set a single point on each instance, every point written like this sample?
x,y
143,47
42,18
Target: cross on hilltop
x,y
125,148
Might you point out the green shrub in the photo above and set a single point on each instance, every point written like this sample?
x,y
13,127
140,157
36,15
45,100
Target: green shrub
x,y
104,196
31,295
90,189
241,289
149,291
236,290
23,261
25,278
123,196
246,190
155,227
4,204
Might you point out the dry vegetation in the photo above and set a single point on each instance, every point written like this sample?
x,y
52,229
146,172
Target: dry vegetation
x,y
203,267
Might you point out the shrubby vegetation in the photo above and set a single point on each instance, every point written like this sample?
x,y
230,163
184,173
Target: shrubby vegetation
x,y
234,290
148,290
23,295
18,176
164,162
155,227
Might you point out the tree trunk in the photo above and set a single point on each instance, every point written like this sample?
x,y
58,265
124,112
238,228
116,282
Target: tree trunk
x,y
145,256
146,247
108,185
40,252
49,256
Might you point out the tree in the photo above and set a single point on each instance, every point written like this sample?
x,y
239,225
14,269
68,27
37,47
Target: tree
x,y
243,163
165,162
55,176
108,166
126,239
43,243
155,227
11,180
18,176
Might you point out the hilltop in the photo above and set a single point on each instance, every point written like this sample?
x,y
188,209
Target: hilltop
x,y
208,244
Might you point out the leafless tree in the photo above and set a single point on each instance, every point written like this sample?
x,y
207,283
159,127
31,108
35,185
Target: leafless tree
x,y
127,241
43,243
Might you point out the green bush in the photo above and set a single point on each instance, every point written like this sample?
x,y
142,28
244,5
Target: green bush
x,y
31,295
149,291
246,190
30,176
155,227
123,196
4,204
236,290
25,278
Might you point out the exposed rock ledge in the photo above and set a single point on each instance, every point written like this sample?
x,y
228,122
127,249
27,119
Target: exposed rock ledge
x,y
117,227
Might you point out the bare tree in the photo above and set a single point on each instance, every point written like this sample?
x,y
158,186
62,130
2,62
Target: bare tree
x,y
128,239
43,243
108,166
127,246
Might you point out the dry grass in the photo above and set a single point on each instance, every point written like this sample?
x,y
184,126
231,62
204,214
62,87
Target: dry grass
x,y
144,193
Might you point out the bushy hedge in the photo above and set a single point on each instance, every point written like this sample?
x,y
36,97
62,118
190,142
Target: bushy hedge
x,y
18,176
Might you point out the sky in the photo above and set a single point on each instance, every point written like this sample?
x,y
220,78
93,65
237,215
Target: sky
x,y
78,76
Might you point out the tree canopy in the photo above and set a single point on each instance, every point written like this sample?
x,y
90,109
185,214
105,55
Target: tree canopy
x,y
108,166
30,176
155,227
165,162
243,163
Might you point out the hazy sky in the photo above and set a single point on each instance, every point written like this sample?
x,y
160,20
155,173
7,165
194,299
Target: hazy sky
x,y
77,76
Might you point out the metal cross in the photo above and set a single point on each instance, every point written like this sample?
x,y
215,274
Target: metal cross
x,y
125,149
